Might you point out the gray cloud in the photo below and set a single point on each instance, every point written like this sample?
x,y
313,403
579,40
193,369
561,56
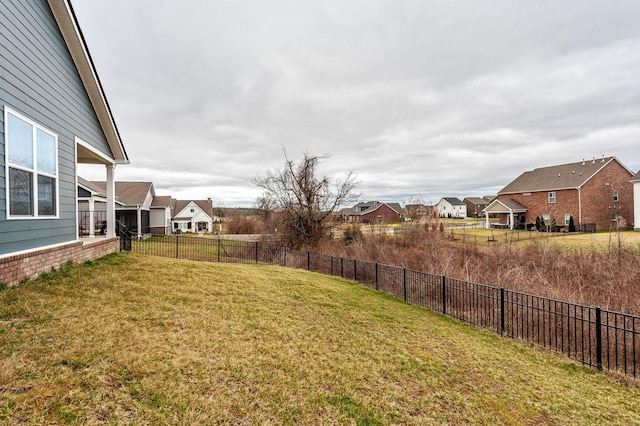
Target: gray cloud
x,y
420,99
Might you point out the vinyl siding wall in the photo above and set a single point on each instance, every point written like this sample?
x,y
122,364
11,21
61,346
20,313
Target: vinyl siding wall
x,y
39,80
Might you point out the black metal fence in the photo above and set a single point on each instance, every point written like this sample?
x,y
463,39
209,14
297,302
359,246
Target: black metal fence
x,y
125,236
595,337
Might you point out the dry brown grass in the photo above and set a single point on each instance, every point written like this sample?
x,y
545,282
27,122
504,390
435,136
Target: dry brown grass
x,y
603,271
136,340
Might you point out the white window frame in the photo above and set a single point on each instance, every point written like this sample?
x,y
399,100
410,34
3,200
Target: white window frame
x,y
546,218
616,195
552,197
34,170
567,218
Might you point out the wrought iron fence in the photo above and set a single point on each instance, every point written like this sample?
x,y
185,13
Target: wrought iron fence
x,y
125,236
595,337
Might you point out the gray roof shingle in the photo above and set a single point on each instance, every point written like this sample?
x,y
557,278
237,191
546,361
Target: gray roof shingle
x,y
129,193
563,176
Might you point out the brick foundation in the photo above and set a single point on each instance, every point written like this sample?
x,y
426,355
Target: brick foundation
x,y
14,269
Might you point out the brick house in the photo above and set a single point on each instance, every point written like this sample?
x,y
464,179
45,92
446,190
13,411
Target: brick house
x,y
419,212
475,206
595,193
372,212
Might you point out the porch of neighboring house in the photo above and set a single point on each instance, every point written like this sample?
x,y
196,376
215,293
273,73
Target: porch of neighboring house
x,y
137,221
509,211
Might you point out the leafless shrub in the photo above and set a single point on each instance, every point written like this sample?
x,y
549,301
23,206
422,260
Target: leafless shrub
x,y
243,224
585,277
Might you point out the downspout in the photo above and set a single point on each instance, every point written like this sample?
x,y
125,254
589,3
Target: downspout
x,y
580,207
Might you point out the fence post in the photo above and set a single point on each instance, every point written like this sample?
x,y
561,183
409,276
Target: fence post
x,y
355,270
342,267
598,338
256,252
444,295
376,275
502,311
219,248
177,238
308,261
404,283
284,257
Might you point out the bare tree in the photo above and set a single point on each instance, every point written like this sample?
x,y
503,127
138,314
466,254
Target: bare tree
x,y
303,204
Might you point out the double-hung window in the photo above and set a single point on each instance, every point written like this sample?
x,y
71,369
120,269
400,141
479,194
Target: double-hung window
x,y
552,197
31,153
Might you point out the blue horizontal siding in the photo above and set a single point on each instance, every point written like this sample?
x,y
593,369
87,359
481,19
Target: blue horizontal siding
x,y
38,79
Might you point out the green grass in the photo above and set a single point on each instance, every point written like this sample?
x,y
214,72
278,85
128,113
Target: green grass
x,y
130,339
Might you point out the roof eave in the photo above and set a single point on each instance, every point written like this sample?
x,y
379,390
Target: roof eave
x,y
70,30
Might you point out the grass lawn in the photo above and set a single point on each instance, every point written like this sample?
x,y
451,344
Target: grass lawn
x,y
131,339
597,242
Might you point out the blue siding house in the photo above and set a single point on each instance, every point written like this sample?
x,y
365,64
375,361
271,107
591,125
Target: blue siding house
x,y
53,115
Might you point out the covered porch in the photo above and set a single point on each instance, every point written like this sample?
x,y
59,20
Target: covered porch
x,y
508,209
88,155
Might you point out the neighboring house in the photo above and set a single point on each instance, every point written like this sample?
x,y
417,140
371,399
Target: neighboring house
x,y
372,212
193,216
451,207
419,212
595,193
137,207
636,201
475,206
133,205
160,215
54,116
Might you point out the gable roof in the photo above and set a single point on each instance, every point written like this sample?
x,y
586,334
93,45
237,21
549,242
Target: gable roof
x,y
371,206
505,206
72,35
163,201
636,177
129,193
563,176
476,200
454,201
204,205
92,188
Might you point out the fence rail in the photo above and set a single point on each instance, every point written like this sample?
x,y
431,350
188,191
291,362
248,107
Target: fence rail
x,y
595,337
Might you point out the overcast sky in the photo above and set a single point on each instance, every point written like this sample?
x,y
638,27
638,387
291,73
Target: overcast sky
x,y
421,99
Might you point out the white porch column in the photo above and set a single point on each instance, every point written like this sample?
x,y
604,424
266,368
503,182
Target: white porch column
x,y
139,219
111,200
511,219
92,224
486,218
